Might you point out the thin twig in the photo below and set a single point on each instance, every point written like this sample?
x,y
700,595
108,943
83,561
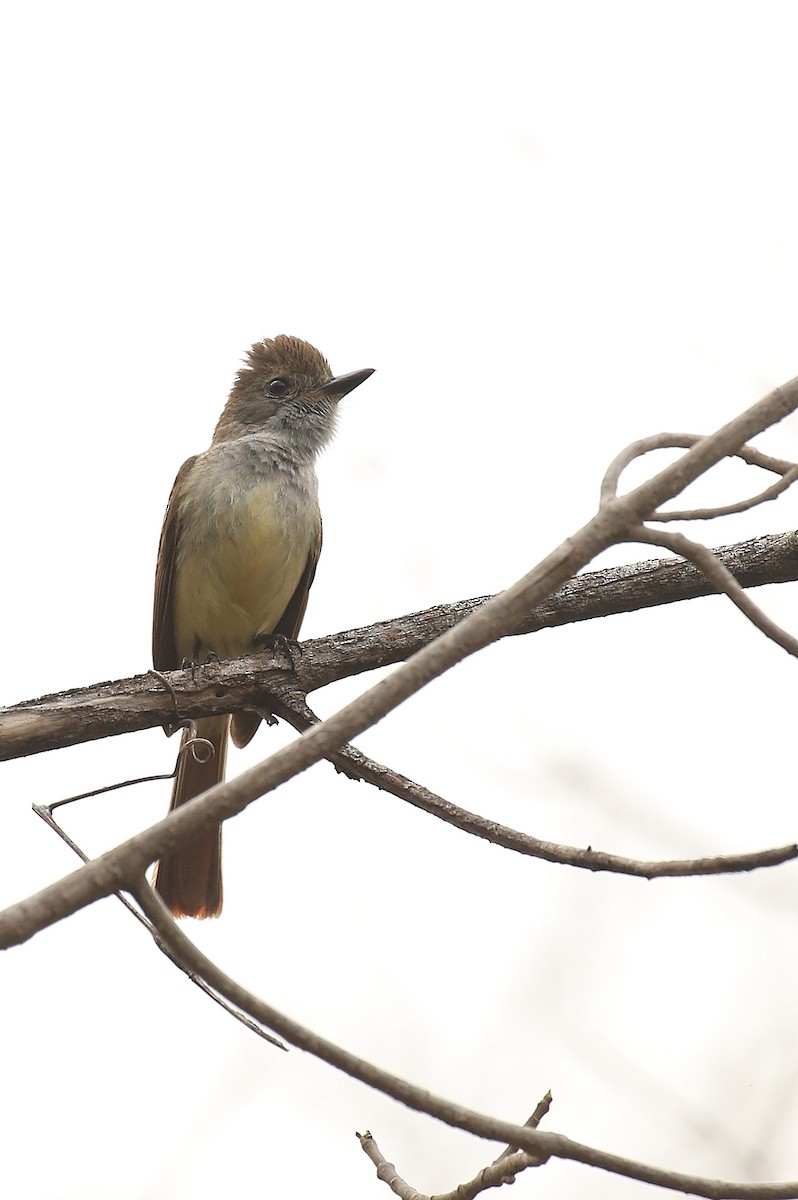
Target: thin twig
x,y
722,580
108,787
294,709
727,510
681,441
46,814
541,1109
503,1170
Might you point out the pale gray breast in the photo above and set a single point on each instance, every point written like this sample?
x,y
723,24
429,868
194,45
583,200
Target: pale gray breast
x,y
233,480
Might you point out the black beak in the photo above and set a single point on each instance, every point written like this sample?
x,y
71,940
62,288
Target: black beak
x,y
342,385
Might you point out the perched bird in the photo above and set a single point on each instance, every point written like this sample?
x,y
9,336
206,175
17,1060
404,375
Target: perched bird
x,y
238,552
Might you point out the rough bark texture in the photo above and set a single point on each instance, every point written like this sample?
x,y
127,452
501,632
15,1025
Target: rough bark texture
x,y
142,702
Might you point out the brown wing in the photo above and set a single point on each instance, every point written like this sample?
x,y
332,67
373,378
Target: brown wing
x,y
244,724
164,650
291,620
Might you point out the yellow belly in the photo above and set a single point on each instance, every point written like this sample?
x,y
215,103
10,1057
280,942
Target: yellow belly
x,y
235,577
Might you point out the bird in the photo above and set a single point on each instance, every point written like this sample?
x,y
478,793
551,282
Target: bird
x,y
237,555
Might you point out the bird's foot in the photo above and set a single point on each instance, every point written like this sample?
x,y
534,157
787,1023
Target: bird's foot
x,y
283,647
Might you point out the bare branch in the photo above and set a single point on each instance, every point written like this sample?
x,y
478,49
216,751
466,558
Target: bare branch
x,y
504,1170
722,580
352,762
46,814
683,441
728,510
128,705
541,1109
541,1146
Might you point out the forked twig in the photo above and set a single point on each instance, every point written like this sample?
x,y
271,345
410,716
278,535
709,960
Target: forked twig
x,y
504,1169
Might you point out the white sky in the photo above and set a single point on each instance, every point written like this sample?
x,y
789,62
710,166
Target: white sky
x,y
552,229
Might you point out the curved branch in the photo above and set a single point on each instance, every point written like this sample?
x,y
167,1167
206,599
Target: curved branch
x,y
541,1146
353,762
684,441
728,510
722,580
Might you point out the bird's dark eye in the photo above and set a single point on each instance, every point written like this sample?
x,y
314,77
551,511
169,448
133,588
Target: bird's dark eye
x,y
277,387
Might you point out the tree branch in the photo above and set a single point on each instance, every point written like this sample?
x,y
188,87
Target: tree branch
x,y
141,702
354,763
503,1169
492,1176
541,1146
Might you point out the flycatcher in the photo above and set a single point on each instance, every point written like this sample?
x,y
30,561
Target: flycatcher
x,y
238,552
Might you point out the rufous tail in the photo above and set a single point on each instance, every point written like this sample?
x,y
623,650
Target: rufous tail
x,y
189,879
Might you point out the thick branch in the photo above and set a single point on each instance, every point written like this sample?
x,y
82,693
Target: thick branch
x,y
126,705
